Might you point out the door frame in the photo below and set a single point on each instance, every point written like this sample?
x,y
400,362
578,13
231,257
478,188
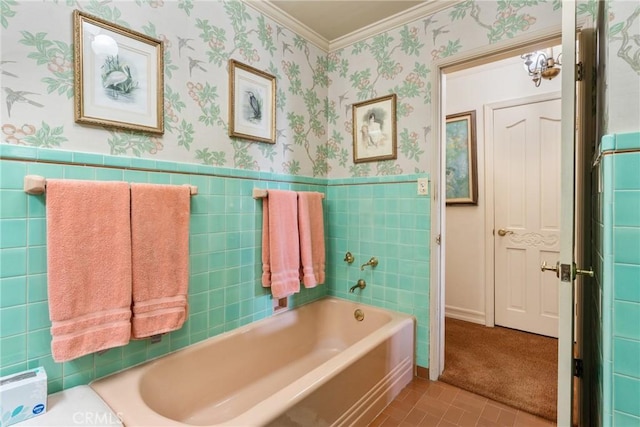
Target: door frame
x,y
489,208
569,25
479,56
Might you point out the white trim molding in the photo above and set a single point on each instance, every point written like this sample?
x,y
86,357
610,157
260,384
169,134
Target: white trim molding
x,y
465,314
427,8
268,9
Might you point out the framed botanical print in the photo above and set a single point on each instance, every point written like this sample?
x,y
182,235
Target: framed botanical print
x,y
118,76
374,130
252,103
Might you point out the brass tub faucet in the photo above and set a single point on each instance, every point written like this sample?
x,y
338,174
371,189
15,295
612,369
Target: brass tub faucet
x,y
372,262
361,284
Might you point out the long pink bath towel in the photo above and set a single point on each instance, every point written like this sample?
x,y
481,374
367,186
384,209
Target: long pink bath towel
x,y
280,243
160,255
88,266
311,229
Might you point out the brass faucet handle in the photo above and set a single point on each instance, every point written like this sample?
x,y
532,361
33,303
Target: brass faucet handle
x,y
348,257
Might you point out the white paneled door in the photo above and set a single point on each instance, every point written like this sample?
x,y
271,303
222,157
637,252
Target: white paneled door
x,y
527,152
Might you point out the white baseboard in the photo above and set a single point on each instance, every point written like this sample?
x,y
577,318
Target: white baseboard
x,y
465,314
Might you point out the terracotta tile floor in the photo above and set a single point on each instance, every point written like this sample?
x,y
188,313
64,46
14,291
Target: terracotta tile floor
x,y
428,403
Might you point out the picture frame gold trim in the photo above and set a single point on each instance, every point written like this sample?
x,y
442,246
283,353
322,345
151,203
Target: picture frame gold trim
x,y
249,90
374,129
131,95
461,150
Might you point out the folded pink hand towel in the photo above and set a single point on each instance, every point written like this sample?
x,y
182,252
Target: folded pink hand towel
x,y
311,229
160,256
280,243
88,266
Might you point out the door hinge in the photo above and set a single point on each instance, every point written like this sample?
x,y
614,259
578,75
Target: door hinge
x,y
579,72
438,239
578,368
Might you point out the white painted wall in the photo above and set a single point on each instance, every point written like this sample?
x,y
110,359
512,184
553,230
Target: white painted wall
x,y
465,255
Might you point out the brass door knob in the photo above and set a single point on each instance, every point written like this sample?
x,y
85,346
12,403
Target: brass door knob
x,y
502,232
577,271
544,267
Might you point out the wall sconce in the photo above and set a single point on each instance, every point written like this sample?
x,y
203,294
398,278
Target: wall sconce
x,y
542,65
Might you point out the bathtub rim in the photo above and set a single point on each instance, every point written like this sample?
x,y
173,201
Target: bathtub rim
x,y
263,411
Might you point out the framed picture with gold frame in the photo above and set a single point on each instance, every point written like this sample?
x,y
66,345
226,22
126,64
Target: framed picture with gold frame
x,y
374,130
118,76
252,103
461,163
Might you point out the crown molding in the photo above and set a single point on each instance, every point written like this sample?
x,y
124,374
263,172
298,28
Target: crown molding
x,y
420,11
427,8
267,8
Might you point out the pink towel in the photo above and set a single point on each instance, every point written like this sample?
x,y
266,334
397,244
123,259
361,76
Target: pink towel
x,y
160,256
311,228
280,243
89,266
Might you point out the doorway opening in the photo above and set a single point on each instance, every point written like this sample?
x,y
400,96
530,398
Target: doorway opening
x,y
577,141
483,239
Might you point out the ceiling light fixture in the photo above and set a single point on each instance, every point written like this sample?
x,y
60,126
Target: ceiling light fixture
x,y
542,65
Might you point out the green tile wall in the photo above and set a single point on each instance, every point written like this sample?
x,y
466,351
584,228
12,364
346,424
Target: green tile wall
x,y
225,247
384,218
620,279
380,217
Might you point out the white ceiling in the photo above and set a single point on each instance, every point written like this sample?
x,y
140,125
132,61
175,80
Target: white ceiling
x,y
333,19
332,24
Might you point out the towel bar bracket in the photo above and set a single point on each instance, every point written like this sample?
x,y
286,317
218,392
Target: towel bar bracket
x,y
34,184
193,190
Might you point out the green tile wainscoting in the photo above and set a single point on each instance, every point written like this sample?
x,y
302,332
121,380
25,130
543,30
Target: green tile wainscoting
x,y
390,221
379,216
618,231
225,251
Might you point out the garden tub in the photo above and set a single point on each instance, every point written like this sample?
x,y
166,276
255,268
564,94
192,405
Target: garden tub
x,y
314,365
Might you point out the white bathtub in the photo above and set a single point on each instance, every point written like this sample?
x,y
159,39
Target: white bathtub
x,y
313,366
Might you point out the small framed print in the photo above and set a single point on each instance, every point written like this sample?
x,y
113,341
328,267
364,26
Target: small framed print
x,y
461,167
252,103
374,130
118,76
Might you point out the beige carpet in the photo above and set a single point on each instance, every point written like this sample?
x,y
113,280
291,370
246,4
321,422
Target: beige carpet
x,y
516,368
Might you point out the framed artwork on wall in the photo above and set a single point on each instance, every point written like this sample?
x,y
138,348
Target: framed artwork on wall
x,y
252,103
118,76
461,162
374,130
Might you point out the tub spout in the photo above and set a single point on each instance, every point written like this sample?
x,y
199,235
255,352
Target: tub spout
x,y
372,262
361,284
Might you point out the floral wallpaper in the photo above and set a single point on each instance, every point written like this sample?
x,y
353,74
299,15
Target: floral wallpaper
x,y
315,89
400,61
199,38
622,67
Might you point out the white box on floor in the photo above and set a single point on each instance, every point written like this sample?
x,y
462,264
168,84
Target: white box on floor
x,y
23,396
